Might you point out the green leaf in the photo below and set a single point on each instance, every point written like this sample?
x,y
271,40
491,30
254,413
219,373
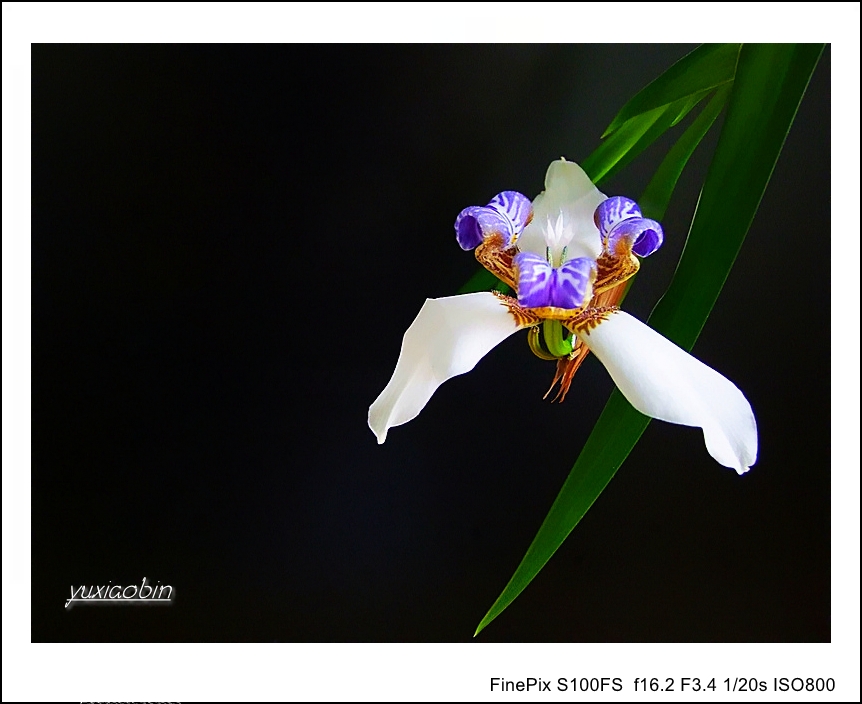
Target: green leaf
x,y
618,150
704,69
481,280
760,112
769,85
658,192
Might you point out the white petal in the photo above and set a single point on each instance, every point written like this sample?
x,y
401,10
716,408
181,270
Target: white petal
x,y
570,193
663,381
449,336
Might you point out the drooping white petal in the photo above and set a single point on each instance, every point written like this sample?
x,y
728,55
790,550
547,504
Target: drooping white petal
x,y
664,381
563,215
448,337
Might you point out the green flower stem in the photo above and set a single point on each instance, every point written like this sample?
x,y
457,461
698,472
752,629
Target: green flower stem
x,y
557,344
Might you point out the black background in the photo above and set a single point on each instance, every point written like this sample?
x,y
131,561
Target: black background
x,y
228,243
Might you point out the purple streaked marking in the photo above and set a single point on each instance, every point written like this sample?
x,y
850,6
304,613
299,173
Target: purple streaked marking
x,y
615,210
515,206
541,285
645,235
506,214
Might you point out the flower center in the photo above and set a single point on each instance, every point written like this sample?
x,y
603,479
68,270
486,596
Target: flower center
x,y
557,234
556,264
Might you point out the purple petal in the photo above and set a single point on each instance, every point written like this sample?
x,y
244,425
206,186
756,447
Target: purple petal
x,y
534,276
475,223
615,210
644,236
540,285
506,215
572,283
467,230
515,206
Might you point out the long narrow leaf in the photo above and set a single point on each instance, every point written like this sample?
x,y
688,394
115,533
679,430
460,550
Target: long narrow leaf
x,y
618,150
615,147
704,69
769,85
657,194
760,112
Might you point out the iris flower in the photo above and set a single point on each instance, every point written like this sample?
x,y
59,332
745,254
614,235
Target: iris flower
x,y
566,256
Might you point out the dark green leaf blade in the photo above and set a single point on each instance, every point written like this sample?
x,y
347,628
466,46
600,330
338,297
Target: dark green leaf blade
x,y
659,190
618,150
704,69
615,147
760,112
481,280
769,85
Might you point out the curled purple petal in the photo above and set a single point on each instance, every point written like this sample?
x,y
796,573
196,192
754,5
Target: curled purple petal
x,y
507,215
649,240
613,211
467,229
642,235
540,285
475,223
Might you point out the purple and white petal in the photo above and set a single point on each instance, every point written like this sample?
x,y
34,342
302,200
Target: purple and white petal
x,y
534,277
448,337
642,235
515,206
506,215
665,382
541,285
571,284
475,223
615,210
